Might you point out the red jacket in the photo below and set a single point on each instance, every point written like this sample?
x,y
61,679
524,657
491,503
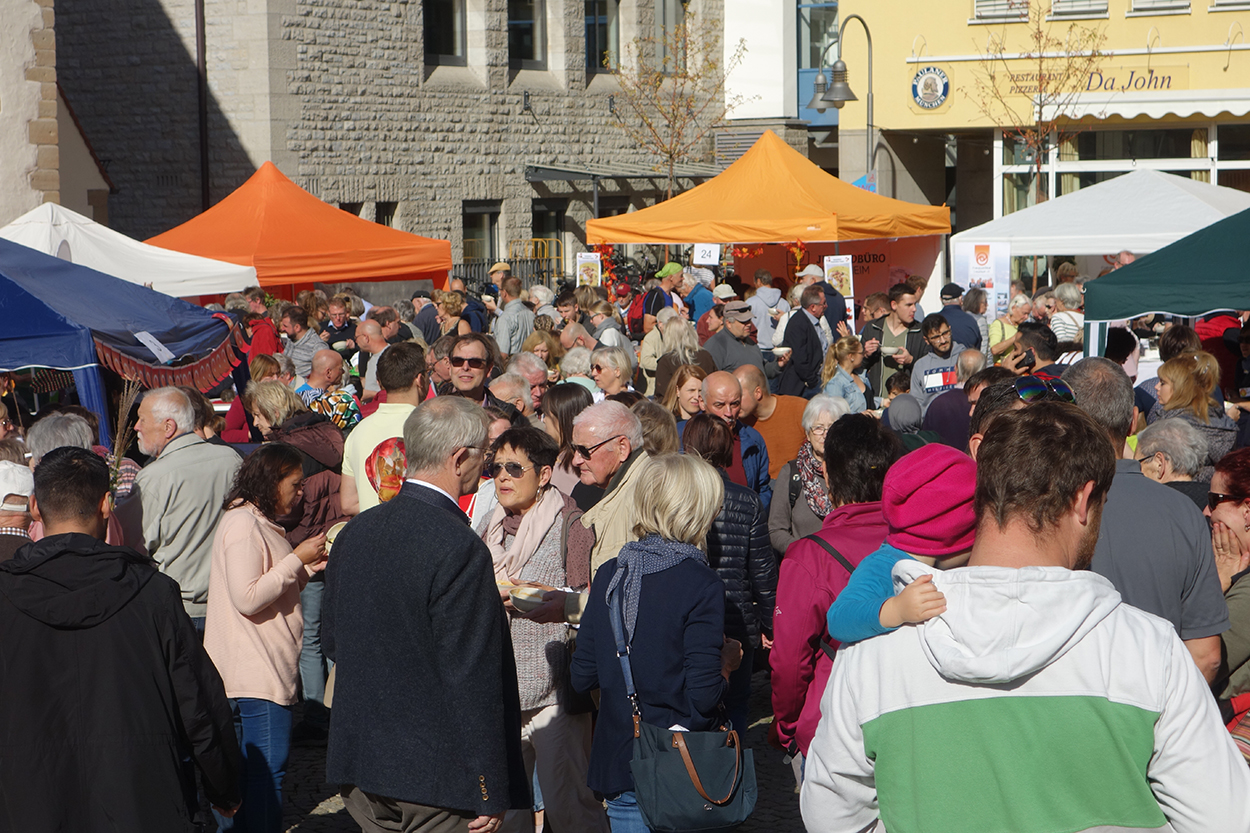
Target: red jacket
x,y
1211,333
264,339
809,582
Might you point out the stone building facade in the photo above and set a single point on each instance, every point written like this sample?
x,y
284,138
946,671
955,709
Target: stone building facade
x,y
348,99
28,107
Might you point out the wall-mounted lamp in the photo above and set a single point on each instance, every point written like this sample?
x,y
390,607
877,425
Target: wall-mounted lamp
x,y
525,103
612,105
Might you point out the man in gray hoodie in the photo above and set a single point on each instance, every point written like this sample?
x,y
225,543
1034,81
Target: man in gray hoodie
x,y
766,306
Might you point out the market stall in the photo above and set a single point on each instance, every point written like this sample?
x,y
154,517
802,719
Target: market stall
x,y
291,238
55,230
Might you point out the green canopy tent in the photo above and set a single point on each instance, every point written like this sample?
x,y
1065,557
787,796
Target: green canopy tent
x,y
1200,273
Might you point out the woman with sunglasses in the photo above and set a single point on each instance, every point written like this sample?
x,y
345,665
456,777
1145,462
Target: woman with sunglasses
x,y
533,540
449,315
1185,391
611,369
1228,510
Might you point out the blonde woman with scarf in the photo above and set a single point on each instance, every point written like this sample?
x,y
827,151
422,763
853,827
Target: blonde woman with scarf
x,y
533,540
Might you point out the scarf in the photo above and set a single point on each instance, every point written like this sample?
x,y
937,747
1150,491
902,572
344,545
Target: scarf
x,y
636,559
528,532
812,473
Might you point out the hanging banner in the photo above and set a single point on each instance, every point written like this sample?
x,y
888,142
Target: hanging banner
x,y
839,275
985,266
589,269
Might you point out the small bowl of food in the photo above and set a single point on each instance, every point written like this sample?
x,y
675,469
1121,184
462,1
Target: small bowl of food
x,y
889,351
332,533
526,598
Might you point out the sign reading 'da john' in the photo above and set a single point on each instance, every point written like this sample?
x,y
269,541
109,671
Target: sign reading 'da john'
x,y
930,87
1109,80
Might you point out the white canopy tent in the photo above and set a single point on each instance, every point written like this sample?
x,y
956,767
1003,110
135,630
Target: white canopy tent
x,y
57,231
1140,211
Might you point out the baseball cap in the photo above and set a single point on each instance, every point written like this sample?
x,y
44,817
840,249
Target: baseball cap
x,y
724,291
668,269
737,311
811,270
952,291
420,293
499,267
622,290
15,480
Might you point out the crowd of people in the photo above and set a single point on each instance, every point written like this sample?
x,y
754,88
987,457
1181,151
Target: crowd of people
x,y
991,584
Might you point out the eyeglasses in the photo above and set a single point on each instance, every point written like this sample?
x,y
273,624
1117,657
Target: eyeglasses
x,y
820,430
1214,499
461,361
1035,388
584,452
514,470
937,336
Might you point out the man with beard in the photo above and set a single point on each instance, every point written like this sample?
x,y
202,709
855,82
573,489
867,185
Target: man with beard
x,y
1155,546
172,512
935,372
1033,657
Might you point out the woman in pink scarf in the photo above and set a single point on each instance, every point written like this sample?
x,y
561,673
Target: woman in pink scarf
x,y
533,540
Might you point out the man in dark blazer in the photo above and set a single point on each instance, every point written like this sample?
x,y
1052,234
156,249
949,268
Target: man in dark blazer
x,y
801,377
426,727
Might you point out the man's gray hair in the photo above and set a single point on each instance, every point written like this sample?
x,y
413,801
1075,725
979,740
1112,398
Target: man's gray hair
x,y
511,386
440,426
1104,391
171,403
237,302
969,363
576,362
1183,444
285,365
822,404
666,315
404,309
1069,294
610,419
541,295
524,363
57,431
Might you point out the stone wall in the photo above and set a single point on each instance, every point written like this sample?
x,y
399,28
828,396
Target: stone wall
x,y
28,132
337,94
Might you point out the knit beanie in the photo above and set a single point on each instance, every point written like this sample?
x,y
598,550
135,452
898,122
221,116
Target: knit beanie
x,y
928,501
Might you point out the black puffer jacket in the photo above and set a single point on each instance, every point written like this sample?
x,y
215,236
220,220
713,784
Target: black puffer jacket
x,y
739,551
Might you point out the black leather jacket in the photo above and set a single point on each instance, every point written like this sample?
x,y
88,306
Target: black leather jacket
x,y
739,551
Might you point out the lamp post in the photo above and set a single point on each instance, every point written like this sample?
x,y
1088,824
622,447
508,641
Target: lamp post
x,y
839,92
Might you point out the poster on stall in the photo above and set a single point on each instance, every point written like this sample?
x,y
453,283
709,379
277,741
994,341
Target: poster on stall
x,y
985,266
706,254
838,274
589,269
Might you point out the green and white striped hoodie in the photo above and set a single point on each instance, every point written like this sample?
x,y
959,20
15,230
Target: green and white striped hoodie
x,y
1038,703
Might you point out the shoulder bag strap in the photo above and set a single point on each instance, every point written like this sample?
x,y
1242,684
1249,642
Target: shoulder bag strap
x,y
616,616
796,483
680,742
827,547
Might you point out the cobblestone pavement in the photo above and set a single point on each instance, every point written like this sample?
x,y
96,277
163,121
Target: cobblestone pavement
x,y
312,806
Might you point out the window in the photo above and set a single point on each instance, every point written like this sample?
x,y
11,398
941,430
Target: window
x,y
613,206
385,214
352,208
527,38
1135,144
548,219
993,9
1078,7
603,35
444,32
481,229
1160,5
669,17
818,28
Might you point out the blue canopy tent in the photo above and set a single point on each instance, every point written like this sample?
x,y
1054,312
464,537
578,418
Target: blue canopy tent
x,y
68,317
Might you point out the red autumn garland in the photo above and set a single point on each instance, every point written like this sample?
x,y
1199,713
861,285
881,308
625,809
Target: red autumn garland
x,y
745,252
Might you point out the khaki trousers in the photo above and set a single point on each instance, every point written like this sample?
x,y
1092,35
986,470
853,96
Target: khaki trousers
x,y
378,814
557,745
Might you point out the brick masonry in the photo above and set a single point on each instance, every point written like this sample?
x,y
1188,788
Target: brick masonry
x,y
337,93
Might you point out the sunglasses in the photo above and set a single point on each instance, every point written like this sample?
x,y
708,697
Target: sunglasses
x,y
584,452
1035,388
514,470
461,361
1214,499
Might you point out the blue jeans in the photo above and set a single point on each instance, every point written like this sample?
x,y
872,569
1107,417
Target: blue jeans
x,y
264,732
624,815
312,662
738,695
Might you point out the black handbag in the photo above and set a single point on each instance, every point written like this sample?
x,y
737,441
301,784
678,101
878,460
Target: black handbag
x,y
685,781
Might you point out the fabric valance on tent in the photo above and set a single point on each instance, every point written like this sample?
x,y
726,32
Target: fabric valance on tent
x,y
203,375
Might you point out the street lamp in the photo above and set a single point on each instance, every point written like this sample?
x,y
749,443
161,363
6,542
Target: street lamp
x,y
840,92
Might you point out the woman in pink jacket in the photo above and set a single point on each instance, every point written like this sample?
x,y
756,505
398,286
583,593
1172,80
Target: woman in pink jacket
x,y
254,625
858,451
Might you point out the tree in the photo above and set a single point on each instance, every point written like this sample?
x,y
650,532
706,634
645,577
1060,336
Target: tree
x,y
1030,92
672,86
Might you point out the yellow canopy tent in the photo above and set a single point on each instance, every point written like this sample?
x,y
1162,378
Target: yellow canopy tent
x,y
773,194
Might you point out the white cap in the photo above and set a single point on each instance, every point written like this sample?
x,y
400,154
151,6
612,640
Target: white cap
x,y
15,480
811,270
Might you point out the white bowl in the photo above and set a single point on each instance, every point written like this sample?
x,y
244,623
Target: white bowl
x,y
889,351
526,598
332,533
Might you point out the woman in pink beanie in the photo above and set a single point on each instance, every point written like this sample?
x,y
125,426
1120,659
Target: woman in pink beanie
x,y
927,501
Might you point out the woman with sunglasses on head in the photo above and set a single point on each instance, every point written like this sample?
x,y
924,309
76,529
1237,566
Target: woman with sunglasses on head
x,y
533,539
1228,510
611,369
1185,388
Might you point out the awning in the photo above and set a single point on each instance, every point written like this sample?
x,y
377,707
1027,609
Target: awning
x,y
535,172
1158,104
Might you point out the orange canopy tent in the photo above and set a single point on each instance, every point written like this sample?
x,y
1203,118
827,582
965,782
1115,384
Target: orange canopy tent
x,y
773,194
291,237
